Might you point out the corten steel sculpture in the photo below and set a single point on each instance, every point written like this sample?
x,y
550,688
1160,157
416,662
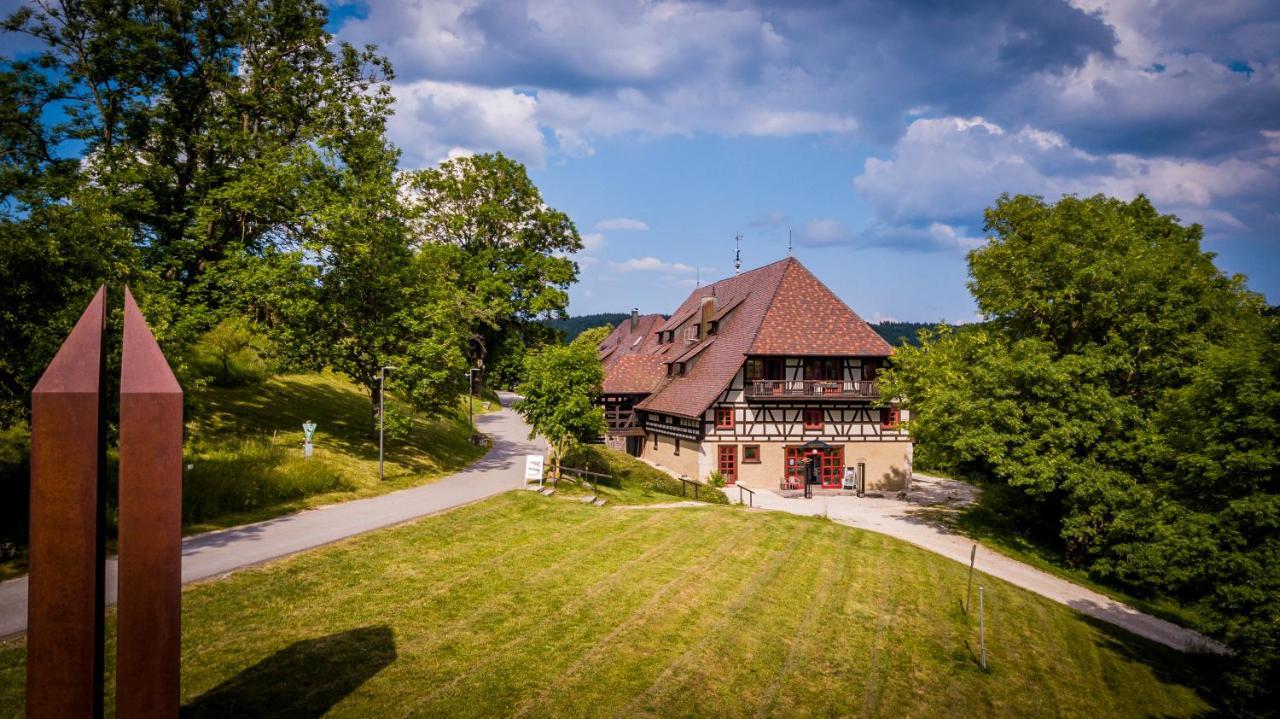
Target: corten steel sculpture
x,y
65,627
150,569
65,582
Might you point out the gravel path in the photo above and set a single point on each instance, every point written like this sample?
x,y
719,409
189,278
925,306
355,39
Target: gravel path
x,y
917,520
226,550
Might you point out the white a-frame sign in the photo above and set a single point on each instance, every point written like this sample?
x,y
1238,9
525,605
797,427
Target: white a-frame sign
x,y
533,468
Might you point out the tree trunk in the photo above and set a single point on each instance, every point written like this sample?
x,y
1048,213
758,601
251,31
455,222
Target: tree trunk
x,y
375,396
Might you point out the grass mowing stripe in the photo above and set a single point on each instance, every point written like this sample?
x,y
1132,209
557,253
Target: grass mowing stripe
x,y
875,672
518,584
630,658
802,645
625,589
711,560
662,684
574,598
265,587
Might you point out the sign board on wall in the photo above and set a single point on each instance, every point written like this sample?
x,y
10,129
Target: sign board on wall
x,y
533,468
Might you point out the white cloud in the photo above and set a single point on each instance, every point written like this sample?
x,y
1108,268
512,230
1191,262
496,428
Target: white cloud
x,y
824,232
622,223
592,242
944,171
649,264
435,121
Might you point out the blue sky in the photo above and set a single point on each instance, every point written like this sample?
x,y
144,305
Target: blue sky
x,y
875,132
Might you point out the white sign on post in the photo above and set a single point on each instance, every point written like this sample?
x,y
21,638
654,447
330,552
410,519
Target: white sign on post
x,y
533,468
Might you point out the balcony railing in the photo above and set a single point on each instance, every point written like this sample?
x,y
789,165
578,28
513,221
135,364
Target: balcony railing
x,y
812,389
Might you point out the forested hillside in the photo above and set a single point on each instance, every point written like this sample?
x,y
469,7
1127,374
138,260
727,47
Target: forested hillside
x,y
574,326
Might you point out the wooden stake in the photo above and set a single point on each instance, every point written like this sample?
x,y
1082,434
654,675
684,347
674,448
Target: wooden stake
x,y
973,553
982,629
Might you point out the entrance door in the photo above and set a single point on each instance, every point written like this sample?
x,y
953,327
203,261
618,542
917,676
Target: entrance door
x,y
832,467
728,463
828,467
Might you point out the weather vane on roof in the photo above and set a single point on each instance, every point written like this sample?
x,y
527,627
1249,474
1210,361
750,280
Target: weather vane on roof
x,y
737,253
788,242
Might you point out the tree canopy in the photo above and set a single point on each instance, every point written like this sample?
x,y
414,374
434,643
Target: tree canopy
x,y
1130,392
561,389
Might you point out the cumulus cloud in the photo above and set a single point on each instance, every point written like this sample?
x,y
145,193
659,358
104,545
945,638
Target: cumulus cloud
x,y
592,242
1174,99
622,223
436,120
944,171
650,264
756,68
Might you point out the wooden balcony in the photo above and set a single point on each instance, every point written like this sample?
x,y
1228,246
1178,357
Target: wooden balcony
x,y
789,389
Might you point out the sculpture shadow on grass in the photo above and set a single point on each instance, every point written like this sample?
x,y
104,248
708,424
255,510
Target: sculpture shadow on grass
x,y
303,680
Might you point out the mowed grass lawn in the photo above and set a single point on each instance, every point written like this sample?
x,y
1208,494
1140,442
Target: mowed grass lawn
x,y
524,605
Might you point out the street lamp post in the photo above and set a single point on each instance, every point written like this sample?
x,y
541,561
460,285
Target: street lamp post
x,y
471,392
382,393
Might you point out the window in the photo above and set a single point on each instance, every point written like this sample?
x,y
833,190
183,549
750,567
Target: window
x,y
828,369
869,368
751,454
728,462
724,418
813,419
754,370
889,418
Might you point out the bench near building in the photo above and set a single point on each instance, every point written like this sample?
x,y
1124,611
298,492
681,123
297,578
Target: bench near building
x,y
766,376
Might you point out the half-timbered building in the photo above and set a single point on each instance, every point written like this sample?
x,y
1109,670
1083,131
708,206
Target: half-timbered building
x,y
767,377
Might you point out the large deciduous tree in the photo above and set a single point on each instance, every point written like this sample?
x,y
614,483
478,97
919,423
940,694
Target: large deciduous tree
x,y
186,136
562,384
1130,392
517,270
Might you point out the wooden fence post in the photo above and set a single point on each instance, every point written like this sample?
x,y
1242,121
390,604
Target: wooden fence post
x,y
150,588
66,578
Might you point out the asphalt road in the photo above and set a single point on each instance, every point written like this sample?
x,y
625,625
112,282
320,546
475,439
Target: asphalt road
x,y
226,550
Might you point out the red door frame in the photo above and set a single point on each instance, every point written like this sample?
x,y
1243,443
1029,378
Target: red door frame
x,y
730,468
832,467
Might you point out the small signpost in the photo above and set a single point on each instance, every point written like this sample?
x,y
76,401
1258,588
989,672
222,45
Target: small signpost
x,y
308,429
533,468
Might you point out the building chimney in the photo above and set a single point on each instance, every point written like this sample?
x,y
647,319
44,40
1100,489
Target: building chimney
x,y
635,318
708,311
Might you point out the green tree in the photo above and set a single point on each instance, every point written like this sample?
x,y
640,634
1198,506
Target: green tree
x,y
1126,388
562,384
516,271
234,347
197,123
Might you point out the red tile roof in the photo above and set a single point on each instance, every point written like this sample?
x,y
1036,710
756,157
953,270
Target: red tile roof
x,y
623,340
806,318
780,308
635,374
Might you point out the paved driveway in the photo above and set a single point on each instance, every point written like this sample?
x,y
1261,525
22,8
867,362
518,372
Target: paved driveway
x,y
916,520
225,550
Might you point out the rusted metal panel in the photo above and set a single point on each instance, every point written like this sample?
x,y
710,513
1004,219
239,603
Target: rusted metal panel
x,y
150,571
65,582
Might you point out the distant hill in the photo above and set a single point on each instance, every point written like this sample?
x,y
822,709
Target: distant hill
x,y
575,326
892,332
895,332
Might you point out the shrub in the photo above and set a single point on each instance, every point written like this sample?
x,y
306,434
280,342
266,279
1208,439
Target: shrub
x,y
244,475
716,479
